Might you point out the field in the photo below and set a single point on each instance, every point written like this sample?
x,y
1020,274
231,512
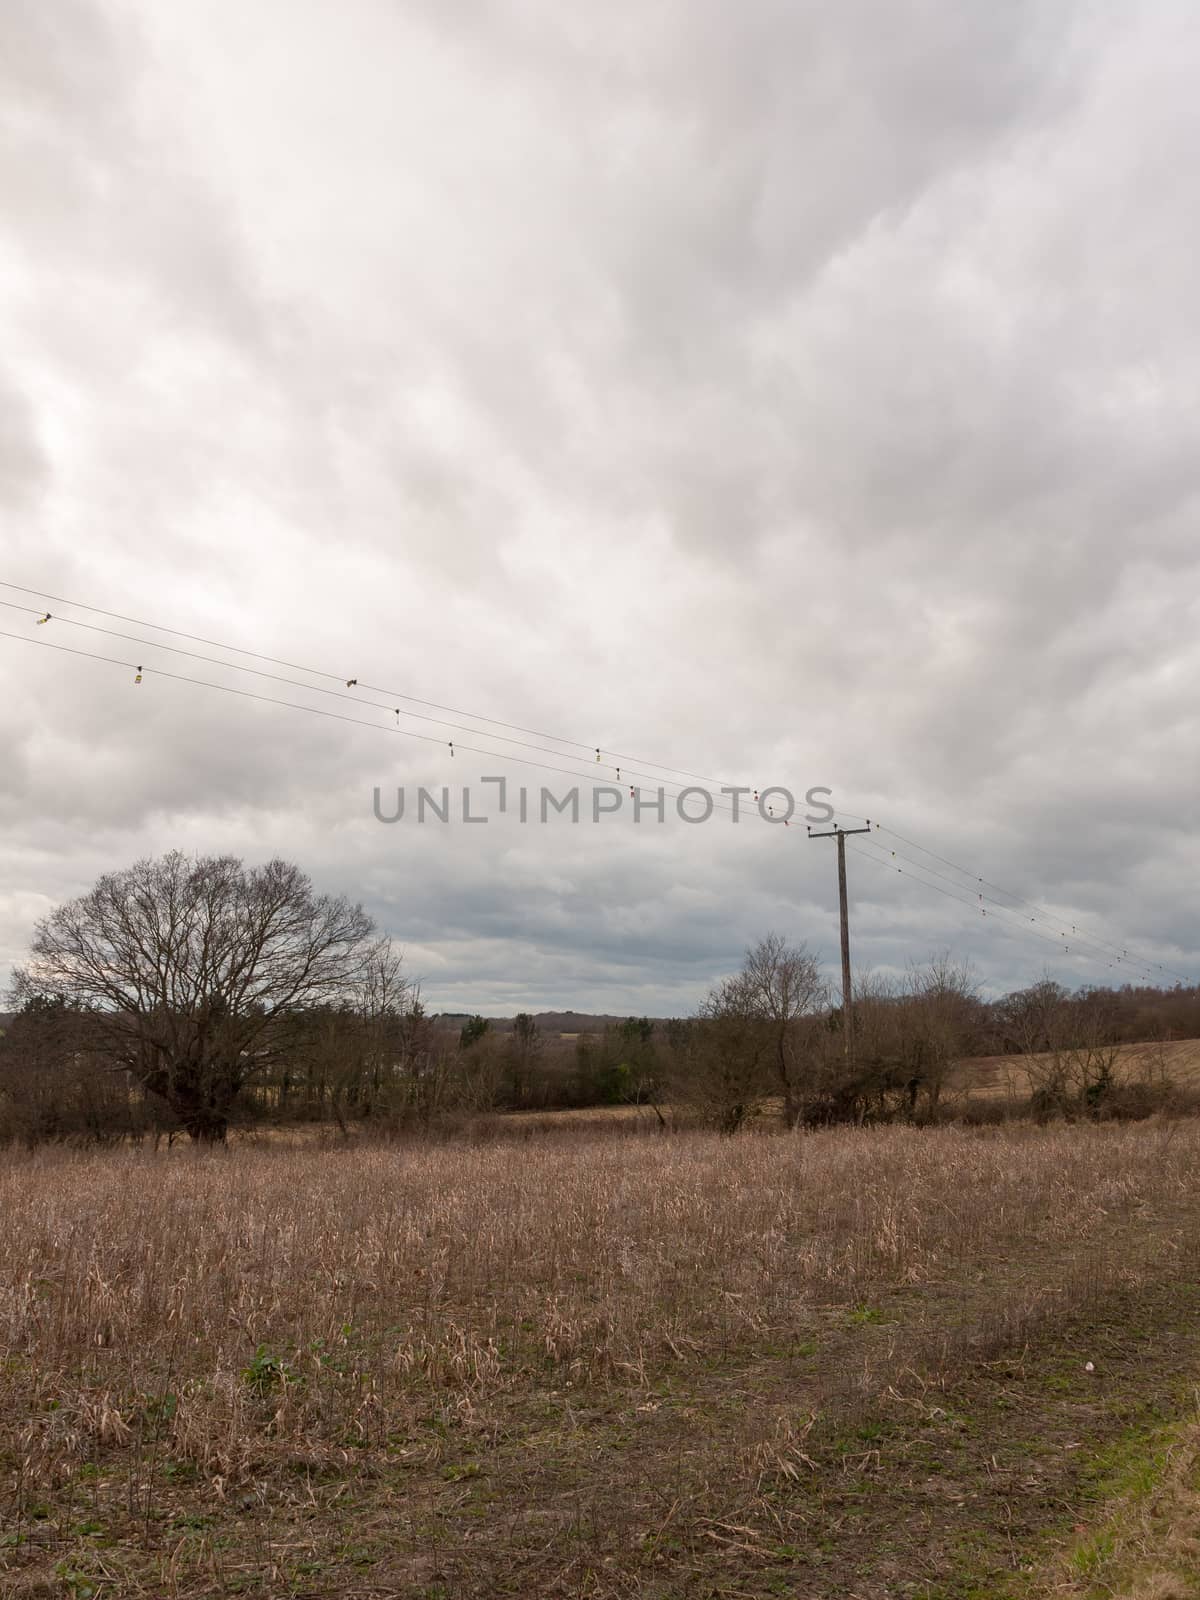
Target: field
x,y
601,1363
1009,1077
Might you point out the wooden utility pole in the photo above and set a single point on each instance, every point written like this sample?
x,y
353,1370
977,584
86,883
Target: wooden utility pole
x,y
847,1009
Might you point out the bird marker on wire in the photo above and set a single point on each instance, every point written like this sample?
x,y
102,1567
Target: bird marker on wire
x,y
137,677
351,683
46,618
451,746
597,752
397,716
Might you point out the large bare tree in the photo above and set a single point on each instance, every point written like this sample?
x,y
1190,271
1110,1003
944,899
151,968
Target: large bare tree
x,y
194,972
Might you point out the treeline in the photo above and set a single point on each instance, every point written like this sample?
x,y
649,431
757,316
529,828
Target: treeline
x,y
1131,1014
186,993
346,1064
766,1040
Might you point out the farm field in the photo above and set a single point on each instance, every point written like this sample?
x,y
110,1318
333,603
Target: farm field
x,y
848,1363
991,1077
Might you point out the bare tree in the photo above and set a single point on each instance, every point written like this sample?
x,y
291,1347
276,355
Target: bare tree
x,y
384,1002
724,1063
523,1050
1068,1043
193,972
783,987
761,1029
941,1022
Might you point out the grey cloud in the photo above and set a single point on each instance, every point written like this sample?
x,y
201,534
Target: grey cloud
x,y
794,393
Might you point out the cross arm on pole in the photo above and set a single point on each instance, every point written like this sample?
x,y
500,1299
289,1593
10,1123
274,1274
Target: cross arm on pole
x,y
844,917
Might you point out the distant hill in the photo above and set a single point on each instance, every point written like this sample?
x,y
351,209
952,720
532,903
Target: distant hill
x,y
550,1022
547,1021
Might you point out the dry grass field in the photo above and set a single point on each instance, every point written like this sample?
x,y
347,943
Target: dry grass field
x,y
850,1363
1008,1077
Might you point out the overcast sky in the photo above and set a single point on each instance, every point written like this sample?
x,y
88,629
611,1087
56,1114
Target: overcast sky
x,y
794,394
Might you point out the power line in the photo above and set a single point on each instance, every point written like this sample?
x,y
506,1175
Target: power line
x,y
612,758
858,850
316,711
318,672
1121,952
1017,923
362,722
313,688
428,738
290,705
1100,952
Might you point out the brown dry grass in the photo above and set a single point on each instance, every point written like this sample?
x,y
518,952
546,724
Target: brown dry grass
x,y
1175,1061
631,1353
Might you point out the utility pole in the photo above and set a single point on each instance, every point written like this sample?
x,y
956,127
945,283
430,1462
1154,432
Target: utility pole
x,y
847,1010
